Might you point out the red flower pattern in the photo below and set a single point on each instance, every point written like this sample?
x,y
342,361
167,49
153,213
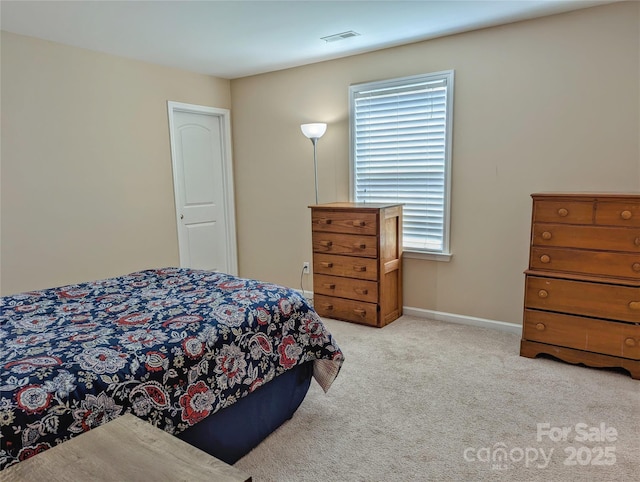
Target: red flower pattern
x,y
197,403
289,352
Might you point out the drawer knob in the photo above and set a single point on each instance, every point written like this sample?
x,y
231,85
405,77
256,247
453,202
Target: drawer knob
x,y
545,258
360,245
634,305
563,213
630,342
324,221
546,235
626,215
362,291
540,327
359,311
636,267
360,268
329,286
543,293
326,244
358,224
326,264
637,241
328,306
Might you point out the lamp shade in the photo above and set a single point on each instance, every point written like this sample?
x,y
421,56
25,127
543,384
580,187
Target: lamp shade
x,y
315,130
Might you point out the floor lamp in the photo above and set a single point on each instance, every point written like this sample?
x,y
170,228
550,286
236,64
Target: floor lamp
x,y
314,132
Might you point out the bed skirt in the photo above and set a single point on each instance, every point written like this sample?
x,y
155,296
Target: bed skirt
x,y
231,433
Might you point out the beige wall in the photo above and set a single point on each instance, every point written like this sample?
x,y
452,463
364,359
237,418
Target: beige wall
x,y
87,188
543,105
548,104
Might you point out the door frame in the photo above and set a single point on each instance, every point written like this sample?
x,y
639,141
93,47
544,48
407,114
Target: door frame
x,y
227,172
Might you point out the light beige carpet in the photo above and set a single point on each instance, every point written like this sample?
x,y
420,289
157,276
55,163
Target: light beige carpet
x,y
422,400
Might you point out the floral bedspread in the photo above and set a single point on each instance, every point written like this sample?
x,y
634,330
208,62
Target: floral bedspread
x,y
170,345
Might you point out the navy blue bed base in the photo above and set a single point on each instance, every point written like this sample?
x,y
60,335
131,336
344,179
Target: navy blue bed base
x,y
232,432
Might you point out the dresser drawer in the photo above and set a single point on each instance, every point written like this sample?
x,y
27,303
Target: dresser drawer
x,y
351,267
583,298
347,244
622,265
355,289
599,336
567,212
344,222
350,310
618,214
586,237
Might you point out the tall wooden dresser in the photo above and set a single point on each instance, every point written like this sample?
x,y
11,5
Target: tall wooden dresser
x,y
582,293
357,261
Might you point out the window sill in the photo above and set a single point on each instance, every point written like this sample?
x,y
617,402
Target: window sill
x,y
445,257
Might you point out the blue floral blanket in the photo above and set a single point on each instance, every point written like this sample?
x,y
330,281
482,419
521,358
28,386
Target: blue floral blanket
x,y
170,345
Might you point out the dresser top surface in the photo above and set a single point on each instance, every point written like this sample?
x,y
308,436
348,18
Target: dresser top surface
x,y
350,205
588,195
126,448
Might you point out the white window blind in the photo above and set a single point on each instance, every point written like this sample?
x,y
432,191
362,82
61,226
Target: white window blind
x,y
401,145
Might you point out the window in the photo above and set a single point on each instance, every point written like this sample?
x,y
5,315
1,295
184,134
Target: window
x,y
401,152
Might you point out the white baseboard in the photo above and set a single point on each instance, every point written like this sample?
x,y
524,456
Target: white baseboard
x,y
448,317
307,294
463,319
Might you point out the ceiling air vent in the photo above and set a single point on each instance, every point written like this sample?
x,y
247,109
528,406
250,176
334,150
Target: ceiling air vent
x,y
339,36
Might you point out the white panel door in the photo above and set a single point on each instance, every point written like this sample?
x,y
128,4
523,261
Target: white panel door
x,y
203,187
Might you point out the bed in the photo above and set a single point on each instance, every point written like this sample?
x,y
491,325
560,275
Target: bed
x,y
216,360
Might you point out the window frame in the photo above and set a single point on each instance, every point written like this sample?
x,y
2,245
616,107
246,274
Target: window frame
x,y
449,76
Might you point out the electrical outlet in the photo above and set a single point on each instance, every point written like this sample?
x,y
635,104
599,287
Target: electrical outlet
x,y
305,267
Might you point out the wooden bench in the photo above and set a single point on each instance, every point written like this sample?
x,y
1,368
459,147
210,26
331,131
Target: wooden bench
x,y
125,449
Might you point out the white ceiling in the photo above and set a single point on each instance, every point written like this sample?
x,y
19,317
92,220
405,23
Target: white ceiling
x,y
237,38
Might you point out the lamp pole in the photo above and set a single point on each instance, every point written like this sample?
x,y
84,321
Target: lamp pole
x,y
314,141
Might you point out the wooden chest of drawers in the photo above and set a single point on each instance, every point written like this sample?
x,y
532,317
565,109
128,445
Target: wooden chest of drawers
x,y
582,288
357,262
